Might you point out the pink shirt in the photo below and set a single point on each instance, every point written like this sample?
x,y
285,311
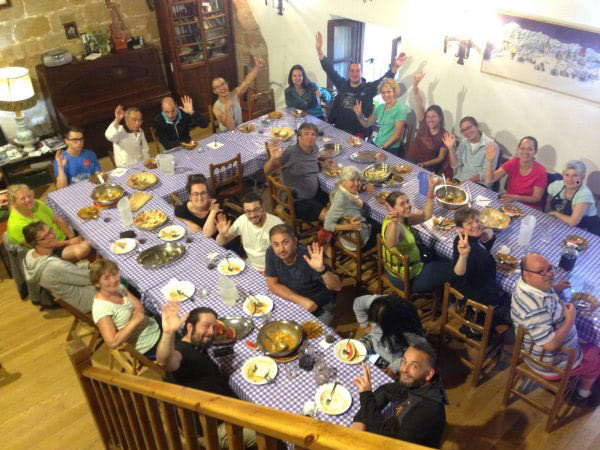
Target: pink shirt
x,y
518,184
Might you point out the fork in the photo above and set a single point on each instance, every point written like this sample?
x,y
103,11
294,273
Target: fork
x,y
330,397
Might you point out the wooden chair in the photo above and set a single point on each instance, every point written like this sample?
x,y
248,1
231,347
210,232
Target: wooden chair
x,y
156,140
134,362
359,264
3,252
466,312
260,103
561,389
213,121
407,136
387,260
282,202
227,183
81,318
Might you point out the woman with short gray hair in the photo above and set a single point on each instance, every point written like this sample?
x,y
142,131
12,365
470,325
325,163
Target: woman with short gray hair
x,y
346,211
571,201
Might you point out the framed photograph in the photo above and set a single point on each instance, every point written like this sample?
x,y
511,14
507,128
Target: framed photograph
x,y
556,56
4,3
70,30
89,43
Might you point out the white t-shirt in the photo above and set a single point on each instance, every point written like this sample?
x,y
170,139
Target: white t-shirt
x,y
254,239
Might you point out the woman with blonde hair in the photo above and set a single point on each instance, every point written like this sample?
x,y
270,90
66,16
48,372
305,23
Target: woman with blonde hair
x,y
391,116
346,205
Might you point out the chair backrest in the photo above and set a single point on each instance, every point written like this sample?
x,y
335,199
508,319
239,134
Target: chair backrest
x,y
391,260
227,178
282,201
214,122
407,136
156,140
552,177
260,103
135,362
76,313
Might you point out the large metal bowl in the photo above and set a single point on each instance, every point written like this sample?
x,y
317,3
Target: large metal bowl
x,y
243,327
378,173
107,194
161,254
494,219
330,150
289,327
451,197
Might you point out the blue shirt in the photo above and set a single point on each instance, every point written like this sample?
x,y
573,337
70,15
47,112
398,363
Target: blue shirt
x,y
79,167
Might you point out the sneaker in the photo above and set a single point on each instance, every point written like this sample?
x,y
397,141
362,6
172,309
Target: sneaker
x,y
584,402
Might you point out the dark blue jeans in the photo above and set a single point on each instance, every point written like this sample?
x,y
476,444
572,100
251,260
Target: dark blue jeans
x,y
432,277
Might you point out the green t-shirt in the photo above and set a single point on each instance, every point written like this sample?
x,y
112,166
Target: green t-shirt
x,y
41,212
408,247
387,123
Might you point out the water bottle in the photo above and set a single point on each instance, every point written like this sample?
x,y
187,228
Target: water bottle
x,y
568,258
228,290
125,211
423,182
526,230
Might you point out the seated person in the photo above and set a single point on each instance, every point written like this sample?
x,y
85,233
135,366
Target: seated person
x,y
527,178
173,124
24,209
227,109
304,94
298,274
571,201
129,140
76,163
468,159
390,323
199,213
391,116
118,314
397,233
419,395
550,325
300,167
65,280
187,360
346,205
427,149
253,227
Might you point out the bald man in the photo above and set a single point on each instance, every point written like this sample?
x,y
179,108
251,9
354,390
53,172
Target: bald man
x,y
173,124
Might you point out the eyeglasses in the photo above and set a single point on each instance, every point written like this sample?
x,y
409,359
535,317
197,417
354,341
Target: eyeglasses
x,y
75,139
542,272
46,235
467,128
199,194
253,211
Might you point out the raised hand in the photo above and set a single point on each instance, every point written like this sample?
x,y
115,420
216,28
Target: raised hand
x,y
391,213
490,151
315,257
358,108
275,150
259,62
319,42
417,78
449,140
61,159
214,205
463,243
170,318
223,224
432,182
400,59
186,105
363,382
119,113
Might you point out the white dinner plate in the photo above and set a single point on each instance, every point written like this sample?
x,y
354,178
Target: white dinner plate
x,y
233,267
177,290
259,370
361,351
340,400
171,233
122,246
249,305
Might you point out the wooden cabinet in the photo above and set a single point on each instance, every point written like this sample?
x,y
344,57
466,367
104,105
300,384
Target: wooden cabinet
x,y
198,45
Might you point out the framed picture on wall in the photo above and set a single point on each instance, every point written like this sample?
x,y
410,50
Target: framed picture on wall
x,y
556,56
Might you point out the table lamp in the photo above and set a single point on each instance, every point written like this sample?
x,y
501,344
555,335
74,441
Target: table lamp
x,y
16,94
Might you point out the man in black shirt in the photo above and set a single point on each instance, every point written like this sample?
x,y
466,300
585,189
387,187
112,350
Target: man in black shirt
x,y
188,361
173,124
354,88
418,395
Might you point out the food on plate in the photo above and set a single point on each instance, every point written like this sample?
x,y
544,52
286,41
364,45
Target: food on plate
x,y
443,223
275,115
495,219
142,180
138,199
349,351
151,164
247,128
176,295
580,242
230,268
333,171
298,113
99,178
251,345
511,210
121,246
169,234
278,340
89,212
402,169
150,219
224,332
189,145
354,141
256,307
379,155
381,196
505,258
582,300
452,197
108,196
312,329
376,174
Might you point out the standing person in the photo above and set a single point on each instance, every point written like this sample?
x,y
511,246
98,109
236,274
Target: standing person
x,y
420,398
199,213
174,123
391,116
227,108
427,149
75,163
527,178
253,227
354,88
298,274
129,140
571,201
304,94
468,159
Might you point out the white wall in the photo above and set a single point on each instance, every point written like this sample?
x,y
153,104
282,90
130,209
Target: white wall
x,y
566,127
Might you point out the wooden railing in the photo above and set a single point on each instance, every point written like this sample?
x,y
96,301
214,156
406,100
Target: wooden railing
x,y
139,413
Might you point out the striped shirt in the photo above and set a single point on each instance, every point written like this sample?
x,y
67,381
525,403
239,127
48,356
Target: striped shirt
x,y
541,314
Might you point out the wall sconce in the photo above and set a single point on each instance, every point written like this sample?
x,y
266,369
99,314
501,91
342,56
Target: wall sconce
x,y
464,48
16,94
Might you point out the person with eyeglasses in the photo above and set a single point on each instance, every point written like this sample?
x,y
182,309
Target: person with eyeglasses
x,y
550,326
253,227
75,163
468,159
199,213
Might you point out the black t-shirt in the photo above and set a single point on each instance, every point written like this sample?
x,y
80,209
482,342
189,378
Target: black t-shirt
x,y
183,212
299,277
